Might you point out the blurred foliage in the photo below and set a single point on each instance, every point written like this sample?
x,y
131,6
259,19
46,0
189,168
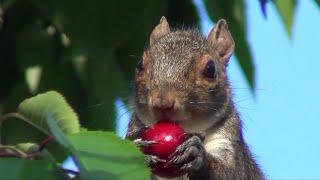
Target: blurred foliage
x,y
22,169
87,50
286,9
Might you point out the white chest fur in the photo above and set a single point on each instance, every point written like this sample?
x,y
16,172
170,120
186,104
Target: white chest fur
x,y
219,145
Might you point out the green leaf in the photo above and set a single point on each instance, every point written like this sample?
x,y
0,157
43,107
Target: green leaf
x,y
318,2
286,9
57,132
27,147
234,13
104,155
12,168
36,109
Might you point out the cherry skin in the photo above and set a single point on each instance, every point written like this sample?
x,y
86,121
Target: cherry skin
x,y
169,136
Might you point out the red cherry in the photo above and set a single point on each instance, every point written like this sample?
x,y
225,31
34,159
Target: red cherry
x,y
168,136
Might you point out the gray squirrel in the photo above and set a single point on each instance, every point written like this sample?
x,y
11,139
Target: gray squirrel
x,y
182,75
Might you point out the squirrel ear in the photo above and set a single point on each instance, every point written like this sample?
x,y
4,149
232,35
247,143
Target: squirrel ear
x,y
221,40
160,30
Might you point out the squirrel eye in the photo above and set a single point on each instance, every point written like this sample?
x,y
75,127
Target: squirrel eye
x,y
209,70
140,66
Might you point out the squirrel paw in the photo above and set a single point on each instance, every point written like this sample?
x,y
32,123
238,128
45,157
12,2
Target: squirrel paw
x,y
153,159
191,153
136,133
141,143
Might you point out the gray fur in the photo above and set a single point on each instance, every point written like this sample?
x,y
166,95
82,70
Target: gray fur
x,y
173,55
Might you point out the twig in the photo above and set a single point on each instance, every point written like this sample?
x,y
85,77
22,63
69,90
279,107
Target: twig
x,y
44,143
10,115
7,154
11,151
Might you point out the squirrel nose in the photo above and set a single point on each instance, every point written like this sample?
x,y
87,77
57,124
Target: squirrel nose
x,y
163,106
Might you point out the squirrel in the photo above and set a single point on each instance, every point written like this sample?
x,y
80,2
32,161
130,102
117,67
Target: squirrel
x,y
182,76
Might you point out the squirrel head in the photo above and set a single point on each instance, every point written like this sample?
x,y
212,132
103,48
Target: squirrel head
x,y
182,76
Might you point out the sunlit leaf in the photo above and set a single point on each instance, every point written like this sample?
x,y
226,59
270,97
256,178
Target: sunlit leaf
x,y
286,10
33,75
27,147
36,109
104,155
57,132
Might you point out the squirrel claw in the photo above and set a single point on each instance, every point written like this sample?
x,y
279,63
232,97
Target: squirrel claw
x,y
141,143
194,140
191,153
151,159
136,133
199,135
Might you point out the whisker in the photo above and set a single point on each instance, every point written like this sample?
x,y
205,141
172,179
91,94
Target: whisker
x,y
96,105
124,113
243,99
219,104
210,90
125,99
200,102
229,88
142,103
134,56
124,132
127,106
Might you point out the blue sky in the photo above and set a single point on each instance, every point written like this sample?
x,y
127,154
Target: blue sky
x,y
281,123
